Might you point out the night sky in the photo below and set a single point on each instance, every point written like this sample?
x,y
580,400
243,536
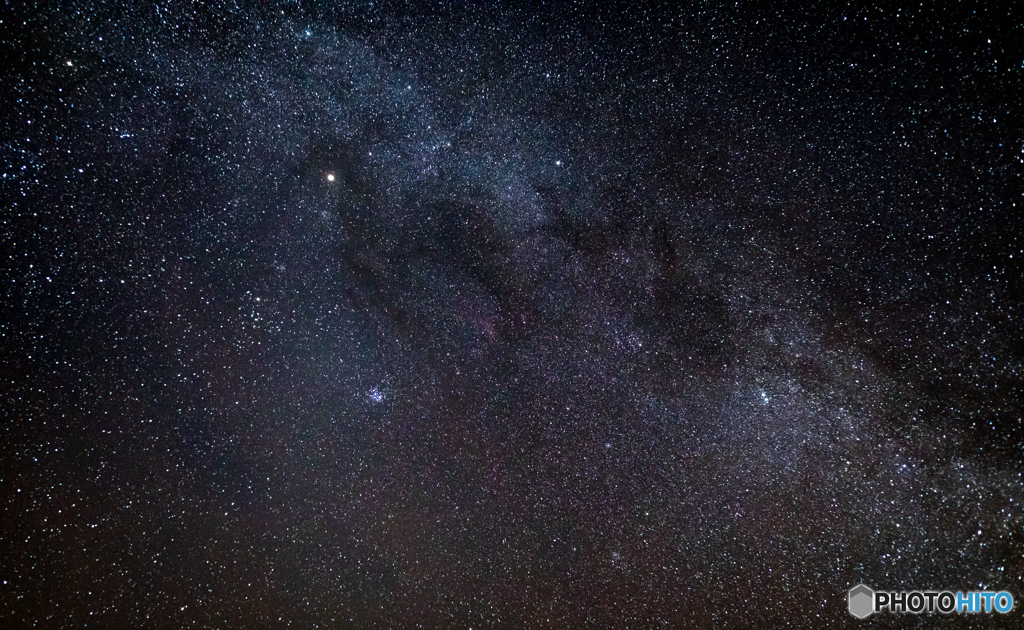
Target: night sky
x,y
513,315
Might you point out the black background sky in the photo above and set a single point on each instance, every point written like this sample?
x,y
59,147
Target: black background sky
x,y
507,315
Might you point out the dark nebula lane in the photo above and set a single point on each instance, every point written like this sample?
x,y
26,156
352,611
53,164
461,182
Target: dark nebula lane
x,y
508,316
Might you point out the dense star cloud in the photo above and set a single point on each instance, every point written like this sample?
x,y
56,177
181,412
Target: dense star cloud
x,y
517,316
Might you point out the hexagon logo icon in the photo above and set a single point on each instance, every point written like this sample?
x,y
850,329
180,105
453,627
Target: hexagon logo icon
x,y
861,599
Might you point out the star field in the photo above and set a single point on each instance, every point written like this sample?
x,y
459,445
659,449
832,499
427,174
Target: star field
x,y
508,316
